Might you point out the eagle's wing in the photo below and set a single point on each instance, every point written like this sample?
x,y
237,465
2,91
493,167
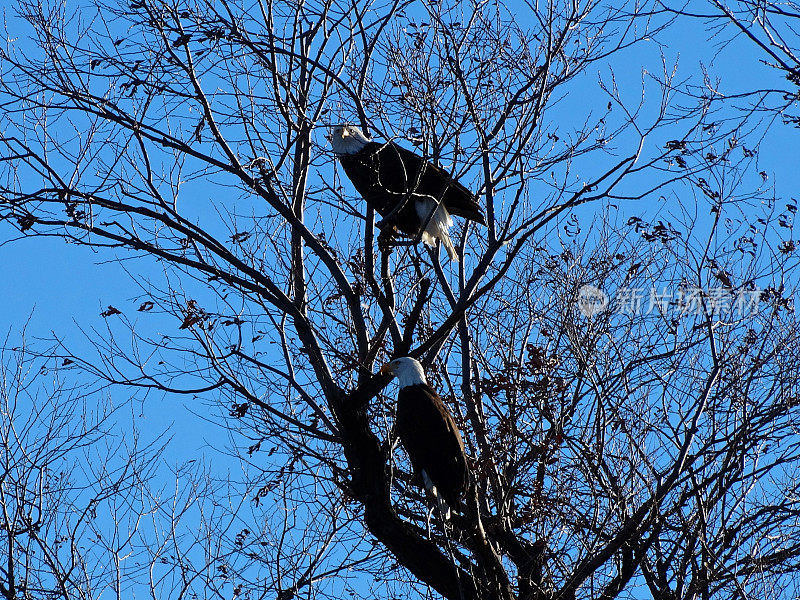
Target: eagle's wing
x,y
457,199
431,438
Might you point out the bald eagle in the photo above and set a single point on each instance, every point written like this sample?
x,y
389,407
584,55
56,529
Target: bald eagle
x,y
404,188
429,435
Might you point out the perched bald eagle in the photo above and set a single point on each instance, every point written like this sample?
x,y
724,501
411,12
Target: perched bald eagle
x,y
429,435
404,188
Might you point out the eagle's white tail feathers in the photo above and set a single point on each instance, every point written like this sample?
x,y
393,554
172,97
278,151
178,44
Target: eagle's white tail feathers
x,y
444,510
438,226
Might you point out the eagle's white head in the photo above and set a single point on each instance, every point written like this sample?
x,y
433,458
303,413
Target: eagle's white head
x,y
348,139
407,370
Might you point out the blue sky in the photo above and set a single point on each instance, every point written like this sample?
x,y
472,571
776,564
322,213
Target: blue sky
x,y
60,289
56,284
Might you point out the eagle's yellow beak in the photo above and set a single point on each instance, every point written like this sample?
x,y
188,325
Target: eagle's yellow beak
x,y
386,369
345,133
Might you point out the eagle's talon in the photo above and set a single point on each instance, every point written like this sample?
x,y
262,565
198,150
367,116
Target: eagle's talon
x,y
385,242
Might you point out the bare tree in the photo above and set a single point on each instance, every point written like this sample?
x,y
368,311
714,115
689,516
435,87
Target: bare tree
x,y
613,450
76,494
770,30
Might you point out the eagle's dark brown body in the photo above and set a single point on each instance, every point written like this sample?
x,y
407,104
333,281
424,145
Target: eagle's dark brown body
x,y
432,440
388,176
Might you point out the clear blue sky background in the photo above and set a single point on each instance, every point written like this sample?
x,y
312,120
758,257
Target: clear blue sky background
x,y
60,289
57,288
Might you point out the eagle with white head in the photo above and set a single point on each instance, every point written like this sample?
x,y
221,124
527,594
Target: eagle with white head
x,y
429,435
408,191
